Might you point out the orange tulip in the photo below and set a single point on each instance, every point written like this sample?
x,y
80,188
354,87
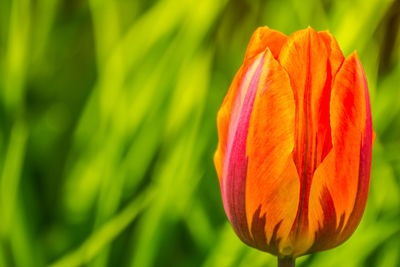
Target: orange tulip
x,y
295,141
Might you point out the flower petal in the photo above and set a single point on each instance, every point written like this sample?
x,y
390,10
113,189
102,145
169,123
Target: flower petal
x,y
272,185
306,58
224,114
262,38
345,173
233,181
367,139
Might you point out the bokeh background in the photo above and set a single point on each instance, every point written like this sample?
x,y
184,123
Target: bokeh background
x,y
108,128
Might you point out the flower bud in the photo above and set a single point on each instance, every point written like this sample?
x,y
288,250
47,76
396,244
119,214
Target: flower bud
x,y
295,140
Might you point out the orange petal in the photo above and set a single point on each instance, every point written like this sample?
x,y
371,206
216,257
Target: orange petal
x,y
262,38
321,99
234,173
367,139
272,184
343,177
306,58
223,117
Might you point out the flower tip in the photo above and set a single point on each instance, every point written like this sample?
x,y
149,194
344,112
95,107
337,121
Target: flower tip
x,y
354,54
265,27
353,57
310,30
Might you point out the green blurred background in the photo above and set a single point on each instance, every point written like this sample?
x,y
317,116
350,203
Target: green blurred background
x,y
108,128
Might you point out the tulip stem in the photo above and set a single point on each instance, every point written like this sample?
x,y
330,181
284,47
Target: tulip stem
x,y
286,262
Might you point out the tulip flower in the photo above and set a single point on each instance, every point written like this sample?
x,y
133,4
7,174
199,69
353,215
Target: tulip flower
x,y
295,140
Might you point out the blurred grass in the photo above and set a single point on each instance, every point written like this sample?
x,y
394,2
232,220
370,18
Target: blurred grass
x,y
107,118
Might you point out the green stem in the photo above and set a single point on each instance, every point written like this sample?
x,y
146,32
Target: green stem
x,y
286,262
